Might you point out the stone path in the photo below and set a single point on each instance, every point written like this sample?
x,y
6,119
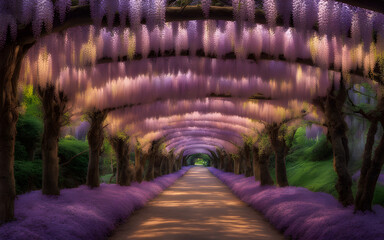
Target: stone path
x,y
197,206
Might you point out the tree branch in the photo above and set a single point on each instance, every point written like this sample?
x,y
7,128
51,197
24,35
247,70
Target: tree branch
x,y
67,162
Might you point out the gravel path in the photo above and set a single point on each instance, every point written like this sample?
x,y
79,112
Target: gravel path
x,y
197,206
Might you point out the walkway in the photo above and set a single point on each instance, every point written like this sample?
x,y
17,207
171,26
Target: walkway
x,y
197,206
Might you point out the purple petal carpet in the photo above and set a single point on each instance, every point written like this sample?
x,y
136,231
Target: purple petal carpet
x,y
81,213
302,214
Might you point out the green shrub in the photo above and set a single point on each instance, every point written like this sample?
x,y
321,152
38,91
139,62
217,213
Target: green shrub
x,y
30,125
28,175
20,152
74,173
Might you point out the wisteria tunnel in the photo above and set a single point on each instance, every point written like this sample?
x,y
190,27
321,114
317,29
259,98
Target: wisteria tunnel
x,y
192,119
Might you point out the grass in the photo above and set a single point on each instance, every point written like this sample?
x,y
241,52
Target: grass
x,y
310,165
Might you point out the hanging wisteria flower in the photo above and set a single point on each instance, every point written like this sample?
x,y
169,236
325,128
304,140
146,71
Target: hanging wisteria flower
x,y
97,11
205,5
124,6
62,6
270,10
251,9
239,10
27,11
325,14
135,13
7,20
43,14
160,8
285,10
111,7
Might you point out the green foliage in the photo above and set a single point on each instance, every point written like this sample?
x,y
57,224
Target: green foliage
x,y
248,140
378,197
28,175
108,158
29,126
199,159
321,150
310,165
316,176
31,104
20,152
289,132
107,177
74,173
264,143
30,130
308,149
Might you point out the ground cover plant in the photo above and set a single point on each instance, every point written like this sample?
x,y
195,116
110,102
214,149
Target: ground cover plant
x,y
303,214
81,213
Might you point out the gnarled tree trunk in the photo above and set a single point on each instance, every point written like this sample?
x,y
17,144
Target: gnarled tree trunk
x,y
280,149
11,57
171,162
95,140
179,161
263,161
220,158
54,107
139,165
371,168
159,160
332,107
214,159
256,163
185,163
150,175
236,165
124,171
247,162
368,182
229,163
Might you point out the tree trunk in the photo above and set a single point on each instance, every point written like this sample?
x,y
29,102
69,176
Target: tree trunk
x,y
281,172
262,159
179,161
150,175
371,168
185,163
247,161
95,140
171,163
279,147
159,160
370,180
124,172
367,158
54,107
11,57
256,163
220,163
236,163
229,163
163,167
265,176
139,165
332,106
